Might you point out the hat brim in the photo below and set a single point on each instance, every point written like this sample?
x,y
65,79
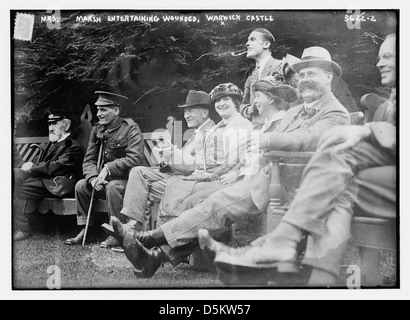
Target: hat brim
x,y
201,105
240,97
317,63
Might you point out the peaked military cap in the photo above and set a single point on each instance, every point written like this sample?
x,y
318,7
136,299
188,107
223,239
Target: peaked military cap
x,y
106,98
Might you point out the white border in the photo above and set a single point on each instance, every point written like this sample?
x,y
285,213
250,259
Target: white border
x,y
5,225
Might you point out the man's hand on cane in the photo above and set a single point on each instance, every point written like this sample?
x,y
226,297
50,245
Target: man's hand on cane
x,y
100,182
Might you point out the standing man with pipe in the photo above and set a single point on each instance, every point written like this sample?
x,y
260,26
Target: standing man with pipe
x,y
121,144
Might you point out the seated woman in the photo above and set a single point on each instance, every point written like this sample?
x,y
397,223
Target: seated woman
x,y
272,105
221,152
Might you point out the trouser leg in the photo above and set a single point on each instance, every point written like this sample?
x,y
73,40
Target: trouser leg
x,y
30,189
141,182
326,252
323,203
18,178
115,190
211,214
83,191
325,178
202,191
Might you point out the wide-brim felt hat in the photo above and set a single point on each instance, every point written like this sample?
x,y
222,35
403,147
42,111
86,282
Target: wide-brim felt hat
x,y
197,99
226,89
106,98
56,115
277,85
316,57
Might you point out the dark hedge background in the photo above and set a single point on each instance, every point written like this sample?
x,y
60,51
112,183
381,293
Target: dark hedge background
x,y
156,64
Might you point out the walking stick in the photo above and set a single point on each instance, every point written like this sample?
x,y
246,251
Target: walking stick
x,y
92,195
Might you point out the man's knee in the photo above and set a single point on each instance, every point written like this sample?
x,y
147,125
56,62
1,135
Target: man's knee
x,y
81,186
136,172
114,187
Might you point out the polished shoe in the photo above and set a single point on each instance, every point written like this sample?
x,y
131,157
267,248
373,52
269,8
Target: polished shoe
x,y
145,237
210,247
109,242
146,261
19,235
78,239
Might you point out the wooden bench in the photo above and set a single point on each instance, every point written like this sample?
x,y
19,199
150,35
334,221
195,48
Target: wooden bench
x,y
30,149
369,234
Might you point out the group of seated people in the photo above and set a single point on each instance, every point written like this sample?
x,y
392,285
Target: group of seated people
x,y
221,173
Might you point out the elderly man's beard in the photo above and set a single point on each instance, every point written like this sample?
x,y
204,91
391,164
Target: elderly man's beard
x,y
54,137
316,88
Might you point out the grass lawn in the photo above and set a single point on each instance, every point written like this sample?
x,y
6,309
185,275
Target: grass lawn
x,y
91,267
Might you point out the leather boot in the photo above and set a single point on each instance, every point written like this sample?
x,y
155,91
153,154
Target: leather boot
x,y
146,261
78,239
149,239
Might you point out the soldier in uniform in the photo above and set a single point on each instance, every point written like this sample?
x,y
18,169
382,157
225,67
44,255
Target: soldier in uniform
x,y
55,174
119,144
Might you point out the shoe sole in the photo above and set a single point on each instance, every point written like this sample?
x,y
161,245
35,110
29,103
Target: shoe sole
x,y
284,273
108,229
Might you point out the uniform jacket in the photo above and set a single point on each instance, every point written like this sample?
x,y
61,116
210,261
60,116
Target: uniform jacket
x,y
123,149
60,167
297,133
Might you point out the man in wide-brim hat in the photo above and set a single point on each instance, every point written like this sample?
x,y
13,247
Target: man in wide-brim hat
x,y
146,183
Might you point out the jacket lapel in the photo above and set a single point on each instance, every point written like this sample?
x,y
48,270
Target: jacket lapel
x,y
202,130
289,120
270,66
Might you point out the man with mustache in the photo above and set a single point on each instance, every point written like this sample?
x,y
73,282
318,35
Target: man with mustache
x,y
300,129
354,164
54,175
121,145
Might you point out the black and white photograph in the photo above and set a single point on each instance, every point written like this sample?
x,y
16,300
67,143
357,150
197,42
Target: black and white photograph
x,y
208,149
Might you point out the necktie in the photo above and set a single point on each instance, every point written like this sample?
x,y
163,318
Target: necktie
x,y
257,71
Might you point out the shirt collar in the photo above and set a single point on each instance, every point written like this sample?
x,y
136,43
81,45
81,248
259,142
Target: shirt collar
x,y
236,115
262,63
114,125
64,137
393,95
202,125
309,106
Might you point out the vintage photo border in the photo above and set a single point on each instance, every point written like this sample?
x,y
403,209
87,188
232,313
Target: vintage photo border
x,y
220,293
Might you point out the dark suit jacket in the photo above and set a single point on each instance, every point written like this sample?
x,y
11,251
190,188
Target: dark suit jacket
x,y
60,167
296,133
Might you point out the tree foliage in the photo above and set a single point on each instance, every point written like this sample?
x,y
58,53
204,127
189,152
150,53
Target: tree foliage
x,y
156,64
